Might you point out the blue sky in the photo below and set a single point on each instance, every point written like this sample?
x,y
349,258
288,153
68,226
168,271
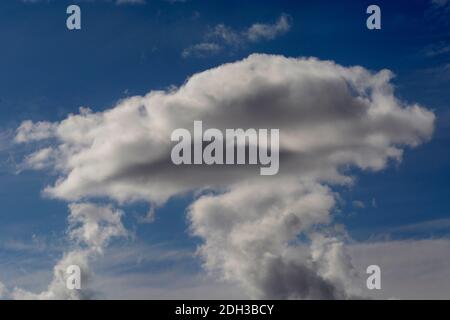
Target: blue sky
x,y
48,72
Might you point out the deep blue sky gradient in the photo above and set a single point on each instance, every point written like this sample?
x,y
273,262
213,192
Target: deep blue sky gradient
x,y
47,72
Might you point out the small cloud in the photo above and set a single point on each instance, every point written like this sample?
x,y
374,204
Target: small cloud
x,y
437,49
439,3
425,226
260,31
438,13
149,217
374,203
201,50
358,204
40,159
222,36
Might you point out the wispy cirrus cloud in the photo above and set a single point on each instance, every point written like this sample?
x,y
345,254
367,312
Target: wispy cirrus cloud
x,y
203,49
440,3
438,13
437,49
222,37
411,269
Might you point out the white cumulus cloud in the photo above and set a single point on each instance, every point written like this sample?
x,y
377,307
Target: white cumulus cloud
x,y
331,118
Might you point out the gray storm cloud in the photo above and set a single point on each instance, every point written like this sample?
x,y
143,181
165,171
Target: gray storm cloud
x,y
330,117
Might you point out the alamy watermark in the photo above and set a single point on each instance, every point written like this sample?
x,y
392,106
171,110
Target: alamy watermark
x,y
73,21
374,280
234,146
73,280
373,22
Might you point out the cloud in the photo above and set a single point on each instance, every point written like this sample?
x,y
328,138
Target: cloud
x,y
3,291
222,36
159,271
201,50
437,49
430,226
437,15
35,244
358,204
439,3
130,270
247,232
331,118
6,145
410,269
38,131
261,31
91,227
166,284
